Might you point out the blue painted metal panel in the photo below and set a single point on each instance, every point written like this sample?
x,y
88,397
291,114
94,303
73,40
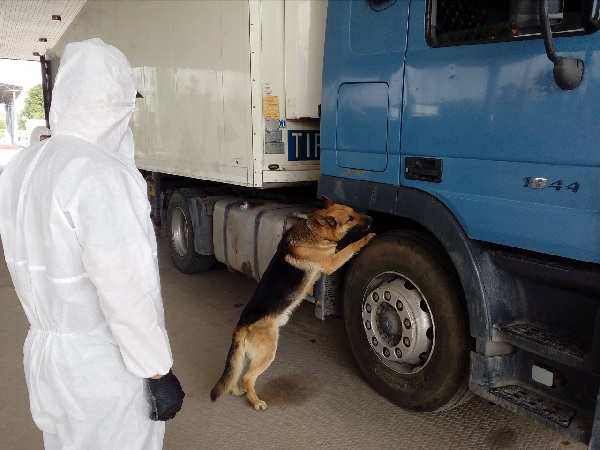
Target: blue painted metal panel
x,y
364,45
495,116
369,22
501,205
491,112
361,143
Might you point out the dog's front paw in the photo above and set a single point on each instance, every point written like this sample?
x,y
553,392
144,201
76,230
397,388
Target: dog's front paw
x,y
260,405
365,240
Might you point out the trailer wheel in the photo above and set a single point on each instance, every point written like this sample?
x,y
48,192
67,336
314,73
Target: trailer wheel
x,y
405,322
181,232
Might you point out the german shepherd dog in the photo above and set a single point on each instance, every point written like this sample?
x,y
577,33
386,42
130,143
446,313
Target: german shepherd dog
x,y
305,251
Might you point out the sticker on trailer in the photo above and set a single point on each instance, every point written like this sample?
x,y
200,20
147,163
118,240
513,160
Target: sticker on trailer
x,y
271,107
304,145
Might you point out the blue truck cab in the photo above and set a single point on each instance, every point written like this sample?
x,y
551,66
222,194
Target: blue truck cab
x,y
469,129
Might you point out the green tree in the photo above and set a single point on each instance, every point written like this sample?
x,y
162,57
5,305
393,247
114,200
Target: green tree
x,y
34,103
21,121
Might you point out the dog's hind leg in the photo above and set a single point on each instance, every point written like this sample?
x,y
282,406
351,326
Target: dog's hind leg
x,y
261,348
237,390
233,368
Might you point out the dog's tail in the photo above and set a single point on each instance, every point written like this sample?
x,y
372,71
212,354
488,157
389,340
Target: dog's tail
x,y
233,367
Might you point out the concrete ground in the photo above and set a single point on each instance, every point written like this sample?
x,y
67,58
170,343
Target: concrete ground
x,y
316,395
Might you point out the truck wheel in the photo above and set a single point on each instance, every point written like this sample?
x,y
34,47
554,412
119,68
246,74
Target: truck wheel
x,y
405,321
181,231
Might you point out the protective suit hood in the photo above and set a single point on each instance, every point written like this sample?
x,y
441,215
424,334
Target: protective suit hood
x,y
94,96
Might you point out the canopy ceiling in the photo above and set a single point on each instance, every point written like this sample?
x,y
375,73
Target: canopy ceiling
x,y
24,24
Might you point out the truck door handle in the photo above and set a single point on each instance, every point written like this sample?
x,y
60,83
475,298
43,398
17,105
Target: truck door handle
x,y
423,169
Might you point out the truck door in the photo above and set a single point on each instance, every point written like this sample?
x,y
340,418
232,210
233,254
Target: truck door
x,y
362,82
487,130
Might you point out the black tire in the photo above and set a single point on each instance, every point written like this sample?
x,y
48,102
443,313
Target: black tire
x,y
398,276
181,233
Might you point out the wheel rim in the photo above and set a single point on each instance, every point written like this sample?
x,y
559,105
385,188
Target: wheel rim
x,y
179,231
397,322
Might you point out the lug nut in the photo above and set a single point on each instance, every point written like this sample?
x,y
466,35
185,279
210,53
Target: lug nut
x,y
399,305
406,341
407,324
374,341
398,353
375,296
368,325
387,295
386,352
368,308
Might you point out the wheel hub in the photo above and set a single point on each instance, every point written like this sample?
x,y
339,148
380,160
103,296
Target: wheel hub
x,y
179,232
389,320
398,324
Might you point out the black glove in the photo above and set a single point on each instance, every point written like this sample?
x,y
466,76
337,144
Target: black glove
x,y
166,396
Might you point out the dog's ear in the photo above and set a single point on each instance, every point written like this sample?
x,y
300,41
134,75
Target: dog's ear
x,y
326,221
327,201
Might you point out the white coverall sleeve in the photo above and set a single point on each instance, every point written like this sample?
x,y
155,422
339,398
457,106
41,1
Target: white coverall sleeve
x,y
114,229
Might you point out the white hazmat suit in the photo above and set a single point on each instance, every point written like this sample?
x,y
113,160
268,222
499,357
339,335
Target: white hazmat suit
x,y
81,251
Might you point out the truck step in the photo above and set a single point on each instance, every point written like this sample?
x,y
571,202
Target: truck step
x,y
560,417
569,350
536,403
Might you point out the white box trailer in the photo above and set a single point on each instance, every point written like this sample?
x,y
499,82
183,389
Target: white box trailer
x,y
231,89
230,108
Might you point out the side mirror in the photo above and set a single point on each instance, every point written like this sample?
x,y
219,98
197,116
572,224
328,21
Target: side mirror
x,y
567,71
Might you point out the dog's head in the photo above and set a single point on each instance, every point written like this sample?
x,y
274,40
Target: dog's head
x,y
335,220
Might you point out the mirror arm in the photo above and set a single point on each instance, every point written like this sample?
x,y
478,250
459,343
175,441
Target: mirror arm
x,y
567,71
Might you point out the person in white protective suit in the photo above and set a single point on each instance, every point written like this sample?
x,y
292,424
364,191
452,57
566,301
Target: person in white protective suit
x,y
81,251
